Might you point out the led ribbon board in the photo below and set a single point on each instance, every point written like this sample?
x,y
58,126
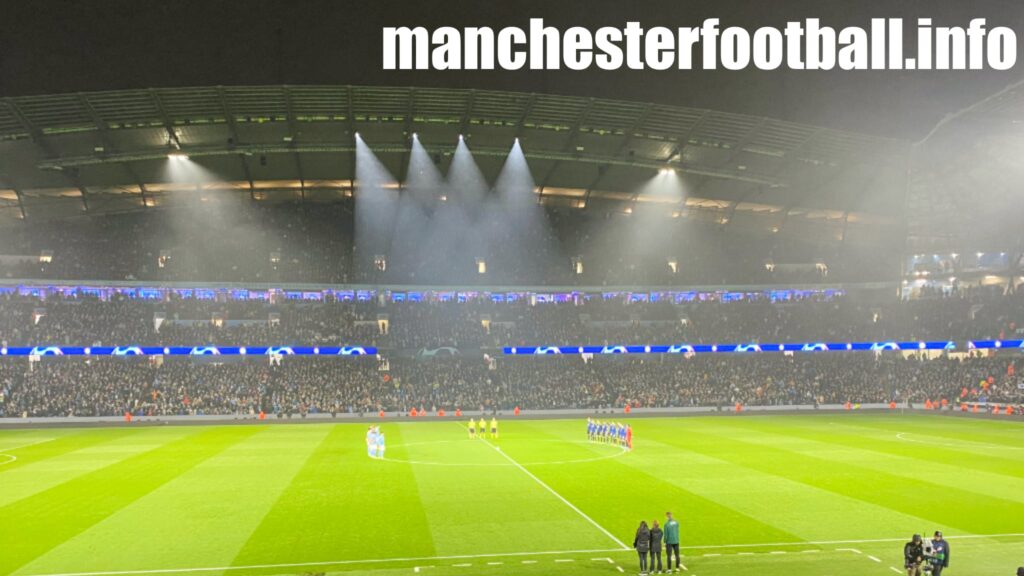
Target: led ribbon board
x,y
188,351
752,348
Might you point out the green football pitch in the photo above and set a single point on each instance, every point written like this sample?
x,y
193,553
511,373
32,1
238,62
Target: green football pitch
x,y
794,495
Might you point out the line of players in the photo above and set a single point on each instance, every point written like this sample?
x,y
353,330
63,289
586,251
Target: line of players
x,y
375,442
614,433
474,428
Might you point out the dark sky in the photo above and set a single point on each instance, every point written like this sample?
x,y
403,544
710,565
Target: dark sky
x,y
59,46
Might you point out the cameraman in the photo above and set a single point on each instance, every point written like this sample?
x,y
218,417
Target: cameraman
x,y
940,554
913,555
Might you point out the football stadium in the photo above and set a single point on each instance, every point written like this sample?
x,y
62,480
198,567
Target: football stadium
x,y
258,321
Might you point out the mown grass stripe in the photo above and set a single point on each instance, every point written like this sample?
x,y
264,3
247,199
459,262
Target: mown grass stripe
x,y
777,500
973,512
342,504
62,442
37,475
1004,475
651,490
214,507
34,525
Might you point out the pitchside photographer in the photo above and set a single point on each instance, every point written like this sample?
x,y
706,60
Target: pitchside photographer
x,y
913,555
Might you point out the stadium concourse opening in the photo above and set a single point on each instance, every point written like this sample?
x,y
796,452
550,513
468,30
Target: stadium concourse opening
x,y
677,314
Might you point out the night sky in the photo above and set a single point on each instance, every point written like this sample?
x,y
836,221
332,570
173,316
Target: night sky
x,y
61,46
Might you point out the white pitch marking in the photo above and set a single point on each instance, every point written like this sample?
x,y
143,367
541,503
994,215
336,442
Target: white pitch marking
x,y
873,558
778,552
505,555
616,454
809,551
620,569
495,563
27,445
709,555
529,561
12,457
416,569
557,495
564,560
968,444
335,563
745,554
895,569
854,550
461,565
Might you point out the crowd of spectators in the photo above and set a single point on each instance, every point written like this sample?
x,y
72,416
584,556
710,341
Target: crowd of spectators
x,y
29,321
415,339
298,386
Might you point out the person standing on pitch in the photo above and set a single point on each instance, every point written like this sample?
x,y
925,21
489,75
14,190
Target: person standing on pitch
x,y
482,427
913,555
494,427
380,444
656,536
642,544
472,428
940,554
671,541
371,442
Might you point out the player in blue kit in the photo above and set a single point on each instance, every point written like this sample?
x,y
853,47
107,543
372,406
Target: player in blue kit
x,y
371,442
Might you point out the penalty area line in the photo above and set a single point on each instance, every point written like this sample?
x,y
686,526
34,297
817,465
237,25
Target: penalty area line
x,y
582,514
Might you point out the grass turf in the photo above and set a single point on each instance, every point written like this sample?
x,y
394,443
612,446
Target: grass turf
x,y
773,495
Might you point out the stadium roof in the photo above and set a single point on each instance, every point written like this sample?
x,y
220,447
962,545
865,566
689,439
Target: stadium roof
x,y
965,186
67,154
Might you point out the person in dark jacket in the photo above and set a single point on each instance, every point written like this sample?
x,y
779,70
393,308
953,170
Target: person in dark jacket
x,y
1020,571
656,536
940,554
642,543
913,555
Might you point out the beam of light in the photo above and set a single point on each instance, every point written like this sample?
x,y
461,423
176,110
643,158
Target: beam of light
x,y
647,235
376,206
423,187
666,185
453,238
526,246
515,183
180,169
465,179
218,221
